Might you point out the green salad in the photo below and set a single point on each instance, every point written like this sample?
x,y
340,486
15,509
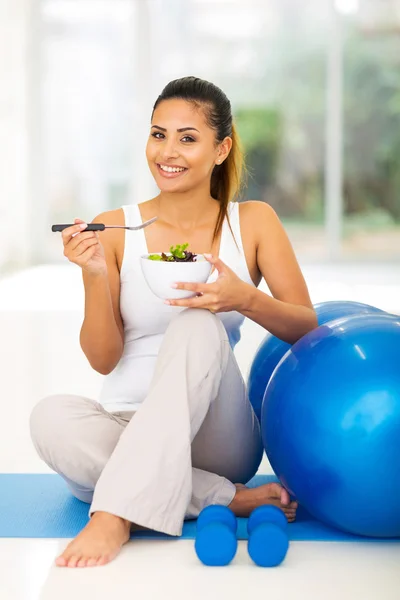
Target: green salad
x,y
177,254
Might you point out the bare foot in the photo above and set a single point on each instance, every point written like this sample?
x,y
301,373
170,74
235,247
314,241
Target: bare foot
x,y
98,543
247,499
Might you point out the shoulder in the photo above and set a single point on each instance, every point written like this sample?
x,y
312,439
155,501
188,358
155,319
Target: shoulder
x,y
112,239
265,226
258,215
255,209
111,217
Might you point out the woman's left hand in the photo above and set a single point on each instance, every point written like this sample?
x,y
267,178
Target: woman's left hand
x,y
226,294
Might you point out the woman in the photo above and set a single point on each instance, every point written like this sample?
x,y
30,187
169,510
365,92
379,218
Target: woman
x,y
174,430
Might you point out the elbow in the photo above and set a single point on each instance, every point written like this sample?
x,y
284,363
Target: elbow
x,y
310,323
313,320
101,363
103,360
103,368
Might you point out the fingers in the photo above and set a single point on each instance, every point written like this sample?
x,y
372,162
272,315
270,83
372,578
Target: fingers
x,y
199,288
196,302
217,262
82,237
204,299
72,231
79,244
83,258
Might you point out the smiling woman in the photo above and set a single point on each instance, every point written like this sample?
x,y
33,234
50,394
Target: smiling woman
x,y
173,386
207,144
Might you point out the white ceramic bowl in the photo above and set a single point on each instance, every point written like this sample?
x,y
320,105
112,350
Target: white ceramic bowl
x,y
160,275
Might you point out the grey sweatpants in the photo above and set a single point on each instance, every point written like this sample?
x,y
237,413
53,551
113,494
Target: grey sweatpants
x,y
194,436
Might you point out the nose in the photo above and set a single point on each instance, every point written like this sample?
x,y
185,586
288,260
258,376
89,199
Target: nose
x,y
169,149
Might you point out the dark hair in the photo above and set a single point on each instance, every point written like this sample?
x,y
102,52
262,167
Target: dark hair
x,y
227,178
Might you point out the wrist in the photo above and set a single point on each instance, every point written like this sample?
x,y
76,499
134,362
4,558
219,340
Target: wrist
x,y
247,294
95,275
97,280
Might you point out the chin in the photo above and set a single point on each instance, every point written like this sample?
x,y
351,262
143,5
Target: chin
x,y
172,186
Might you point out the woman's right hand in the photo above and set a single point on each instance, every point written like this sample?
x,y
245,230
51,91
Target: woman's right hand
x,y
84,248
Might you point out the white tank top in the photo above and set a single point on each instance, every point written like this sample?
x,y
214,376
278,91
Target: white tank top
x,y
146,317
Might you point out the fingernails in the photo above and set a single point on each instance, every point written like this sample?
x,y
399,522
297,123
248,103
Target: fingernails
x,y
207,255
83,225
167,302
174,285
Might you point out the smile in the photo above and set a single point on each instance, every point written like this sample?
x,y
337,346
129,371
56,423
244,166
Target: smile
x,y
170,172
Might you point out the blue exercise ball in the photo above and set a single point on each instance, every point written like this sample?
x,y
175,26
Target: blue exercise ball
x,y
272,349
331,423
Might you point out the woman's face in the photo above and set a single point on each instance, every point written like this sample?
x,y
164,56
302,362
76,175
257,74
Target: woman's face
x,y
181,150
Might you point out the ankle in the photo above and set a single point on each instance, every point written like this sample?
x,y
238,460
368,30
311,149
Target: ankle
x,y
110,518
241,503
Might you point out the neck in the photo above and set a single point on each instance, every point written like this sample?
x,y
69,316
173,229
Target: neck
x,y
187,210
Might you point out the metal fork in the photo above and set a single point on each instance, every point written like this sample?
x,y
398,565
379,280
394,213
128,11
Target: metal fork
x,y
101,226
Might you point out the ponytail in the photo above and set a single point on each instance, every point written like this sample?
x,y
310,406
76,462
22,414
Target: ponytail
x,y
227,180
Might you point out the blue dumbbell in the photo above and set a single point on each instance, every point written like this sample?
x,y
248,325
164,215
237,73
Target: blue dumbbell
x,y
268,538
216,542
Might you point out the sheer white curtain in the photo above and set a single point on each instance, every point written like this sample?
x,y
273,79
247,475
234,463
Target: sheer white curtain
x,y
78,79
15,20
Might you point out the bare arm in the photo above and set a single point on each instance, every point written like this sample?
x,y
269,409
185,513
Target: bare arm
x,y
102,332
289,314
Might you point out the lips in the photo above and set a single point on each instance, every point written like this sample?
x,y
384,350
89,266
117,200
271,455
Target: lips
x,y
171,175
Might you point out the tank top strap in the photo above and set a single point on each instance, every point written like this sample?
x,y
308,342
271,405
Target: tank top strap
x,y
232,247
233,243
135,241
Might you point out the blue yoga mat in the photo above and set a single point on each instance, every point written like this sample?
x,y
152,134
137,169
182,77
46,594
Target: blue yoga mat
x,y
41,506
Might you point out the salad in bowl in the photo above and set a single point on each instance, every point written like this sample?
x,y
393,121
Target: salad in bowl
x,y
162,269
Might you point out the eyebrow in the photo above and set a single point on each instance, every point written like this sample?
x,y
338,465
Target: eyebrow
x,y
179,130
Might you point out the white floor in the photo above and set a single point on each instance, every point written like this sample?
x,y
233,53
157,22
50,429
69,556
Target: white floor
x,y
40,317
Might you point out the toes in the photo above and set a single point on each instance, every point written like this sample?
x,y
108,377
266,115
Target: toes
x,y
61,561
103,560
82,563
285,498
289,514
92,562
73,561
87,562
280,492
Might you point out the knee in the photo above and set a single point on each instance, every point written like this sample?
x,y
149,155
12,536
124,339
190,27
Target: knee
x,y
201,321
47,421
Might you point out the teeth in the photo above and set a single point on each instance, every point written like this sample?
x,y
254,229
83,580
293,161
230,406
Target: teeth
x,y
172,169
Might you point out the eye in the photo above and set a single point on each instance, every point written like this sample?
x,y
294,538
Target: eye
x,y
189,138
157,133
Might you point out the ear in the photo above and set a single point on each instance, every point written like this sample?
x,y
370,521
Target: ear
x,y
223,150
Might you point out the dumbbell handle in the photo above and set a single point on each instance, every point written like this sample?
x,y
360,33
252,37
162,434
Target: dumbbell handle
x,y
267,513
216,542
